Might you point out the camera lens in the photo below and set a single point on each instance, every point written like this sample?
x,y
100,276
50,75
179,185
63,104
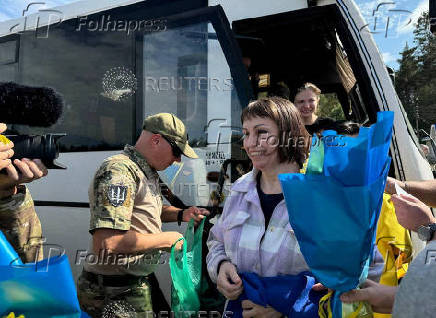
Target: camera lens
x,y
43,147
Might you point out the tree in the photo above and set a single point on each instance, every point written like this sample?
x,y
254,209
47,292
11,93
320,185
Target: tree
x,y
406,82
415,79
329,106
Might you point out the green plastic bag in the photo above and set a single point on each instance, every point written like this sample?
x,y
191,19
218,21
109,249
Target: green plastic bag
x,y
185,266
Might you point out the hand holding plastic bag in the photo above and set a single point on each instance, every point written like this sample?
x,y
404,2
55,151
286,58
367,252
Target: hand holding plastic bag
x,y
185,266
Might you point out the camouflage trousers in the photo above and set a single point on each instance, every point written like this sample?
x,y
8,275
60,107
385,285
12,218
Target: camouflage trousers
x,y
101,301
21,227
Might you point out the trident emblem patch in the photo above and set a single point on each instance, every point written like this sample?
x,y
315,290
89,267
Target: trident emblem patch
x,y
117,194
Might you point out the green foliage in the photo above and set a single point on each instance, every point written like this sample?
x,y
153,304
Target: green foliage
x,y
329,106
415,80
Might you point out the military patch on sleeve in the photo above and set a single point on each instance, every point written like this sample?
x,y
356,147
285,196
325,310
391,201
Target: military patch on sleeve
x,y
117,194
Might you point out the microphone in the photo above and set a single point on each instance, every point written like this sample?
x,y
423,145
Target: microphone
x,y
32,106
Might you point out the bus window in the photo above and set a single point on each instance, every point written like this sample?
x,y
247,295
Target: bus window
x,y
78,65
8,60
185,71
176,77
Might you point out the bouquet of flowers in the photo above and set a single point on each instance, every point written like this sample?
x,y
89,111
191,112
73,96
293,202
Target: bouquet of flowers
x,y
334,207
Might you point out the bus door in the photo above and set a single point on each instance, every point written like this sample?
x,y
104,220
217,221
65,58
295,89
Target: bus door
x,y
194,69
332,46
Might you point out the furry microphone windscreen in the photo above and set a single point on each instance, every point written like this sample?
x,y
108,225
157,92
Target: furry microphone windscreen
x,y
32,106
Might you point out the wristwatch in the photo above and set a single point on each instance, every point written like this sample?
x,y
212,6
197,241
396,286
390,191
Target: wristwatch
x,y
425,232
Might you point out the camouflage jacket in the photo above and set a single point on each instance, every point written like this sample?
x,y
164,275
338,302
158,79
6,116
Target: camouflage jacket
x,y
125,195
21,226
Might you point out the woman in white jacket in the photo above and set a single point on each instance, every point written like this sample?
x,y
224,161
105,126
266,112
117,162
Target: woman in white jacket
x,y
253,234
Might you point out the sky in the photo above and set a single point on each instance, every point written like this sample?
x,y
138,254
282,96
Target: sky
x,y
398,15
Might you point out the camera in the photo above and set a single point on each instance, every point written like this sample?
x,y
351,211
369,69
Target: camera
x,y
32,106
44,147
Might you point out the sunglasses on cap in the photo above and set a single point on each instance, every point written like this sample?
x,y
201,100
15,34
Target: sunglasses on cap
x,y
176,150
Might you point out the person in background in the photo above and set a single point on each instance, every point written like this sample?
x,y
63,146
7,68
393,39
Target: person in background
x,y
279,89
18,220
414,297
307,100
423,190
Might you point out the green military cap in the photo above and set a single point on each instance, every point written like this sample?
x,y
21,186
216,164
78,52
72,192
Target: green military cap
x,y
171,127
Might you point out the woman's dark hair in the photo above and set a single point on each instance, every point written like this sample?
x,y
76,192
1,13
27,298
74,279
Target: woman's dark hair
x,y
279,90
294,140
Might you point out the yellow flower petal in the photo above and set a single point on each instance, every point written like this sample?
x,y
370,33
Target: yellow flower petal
x,y
12,315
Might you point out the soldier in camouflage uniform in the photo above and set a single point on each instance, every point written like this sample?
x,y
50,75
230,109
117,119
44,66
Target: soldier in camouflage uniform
x,y
20,225
18,220
126,219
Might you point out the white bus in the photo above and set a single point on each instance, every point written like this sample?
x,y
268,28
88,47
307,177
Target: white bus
x,y
116,62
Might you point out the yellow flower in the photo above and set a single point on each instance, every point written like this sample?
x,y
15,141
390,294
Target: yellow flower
x,y
5,140
12,315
